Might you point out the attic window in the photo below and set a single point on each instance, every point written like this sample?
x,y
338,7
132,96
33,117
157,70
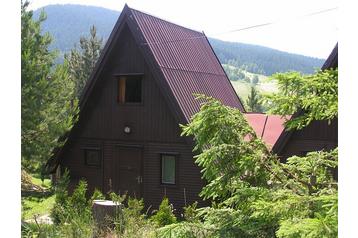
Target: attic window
x,y
130,89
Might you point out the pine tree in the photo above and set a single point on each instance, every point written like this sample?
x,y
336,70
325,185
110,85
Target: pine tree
x,y
255,80
82,61
47,111
253,101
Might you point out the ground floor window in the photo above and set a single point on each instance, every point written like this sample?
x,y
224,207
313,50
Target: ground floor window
x,y
93,157
168,164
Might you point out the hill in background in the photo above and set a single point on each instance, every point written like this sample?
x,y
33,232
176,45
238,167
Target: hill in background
x,y
66,23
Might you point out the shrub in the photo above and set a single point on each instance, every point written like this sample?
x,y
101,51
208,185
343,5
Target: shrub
x,y
97,195
190,212
164,216
130,221
72,214
61,198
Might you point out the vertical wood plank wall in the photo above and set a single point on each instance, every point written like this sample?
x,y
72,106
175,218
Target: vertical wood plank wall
x,y
153,127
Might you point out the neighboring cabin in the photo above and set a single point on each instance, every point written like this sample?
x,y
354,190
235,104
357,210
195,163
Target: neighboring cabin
x,y
128,135
318,135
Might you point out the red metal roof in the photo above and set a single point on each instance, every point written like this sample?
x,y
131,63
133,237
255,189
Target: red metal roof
x,y
267,127
187,61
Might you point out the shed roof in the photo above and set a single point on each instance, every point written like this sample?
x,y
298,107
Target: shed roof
x,y
267,127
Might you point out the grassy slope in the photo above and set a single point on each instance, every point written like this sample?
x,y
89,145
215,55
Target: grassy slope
x,y
33,205
242,88
37,204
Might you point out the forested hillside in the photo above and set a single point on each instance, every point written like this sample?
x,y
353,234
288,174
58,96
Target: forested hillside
x,y
262,60
67,23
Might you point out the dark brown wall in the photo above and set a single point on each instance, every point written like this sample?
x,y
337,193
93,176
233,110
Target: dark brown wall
x,y
318,135
153,128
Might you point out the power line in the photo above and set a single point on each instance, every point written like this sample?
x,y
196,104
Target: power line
x,y
275,22
242,29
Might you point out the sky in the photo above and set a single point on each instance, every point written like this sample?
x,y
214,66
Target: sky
x,y
313,35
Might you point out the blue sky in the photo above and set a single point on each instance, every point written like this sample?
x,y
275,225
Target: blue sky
x,y
310,35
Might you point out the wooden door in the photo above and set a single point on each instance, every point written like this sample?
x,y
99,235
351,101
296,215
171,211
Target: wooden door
x,y
128,171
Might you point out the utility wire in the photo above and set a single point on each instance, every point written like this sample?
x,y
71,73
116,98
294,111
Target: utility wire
x,y
240,29
275,22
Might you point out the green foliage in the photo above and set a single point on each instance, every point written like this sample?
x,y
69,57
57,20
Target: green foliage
x,y
47,108
229,161
97,195
36,204
83,61
72,214
129,221
234,73
190,213
316,95
61,198
253,101
164,216
136,224
185,230
254,194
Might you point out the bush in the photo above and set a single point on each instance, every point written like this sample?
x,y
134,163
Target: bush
x,y
97,195
164,216
130,221
72,215
190,213
61,198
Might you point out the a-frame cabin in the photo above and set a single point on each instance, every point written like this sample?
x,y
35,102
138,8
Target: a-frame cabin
x,y
128,135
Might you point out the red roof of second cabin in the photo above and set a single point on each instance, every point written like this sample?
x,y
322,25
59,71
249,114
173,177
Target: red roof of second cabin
x,y
187,61
267,127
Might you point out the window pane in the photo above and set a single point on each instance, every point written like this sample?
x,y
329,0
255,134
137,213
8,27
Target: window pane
x,y
168,169
134,89
130,89
92,157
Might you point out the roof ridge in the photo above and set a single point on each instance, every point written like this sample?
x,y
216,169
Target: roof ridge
x,y
161,19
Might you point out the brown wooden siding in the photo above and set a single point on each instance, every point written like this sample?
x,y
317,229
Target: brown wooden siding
x,y
154,129
319,135
105,118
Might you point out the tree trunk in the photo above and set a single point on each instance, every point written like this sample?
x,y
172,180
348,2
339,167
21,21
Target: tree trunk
x,y
106,212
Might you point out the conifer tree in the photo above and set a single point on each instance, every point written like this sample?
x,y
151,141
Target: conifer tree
x,y
47,111
253,101
82,61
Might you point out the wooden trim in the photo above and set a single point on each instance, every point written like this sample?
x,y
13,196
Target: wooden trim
x,y
128,74
121,89
129,145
